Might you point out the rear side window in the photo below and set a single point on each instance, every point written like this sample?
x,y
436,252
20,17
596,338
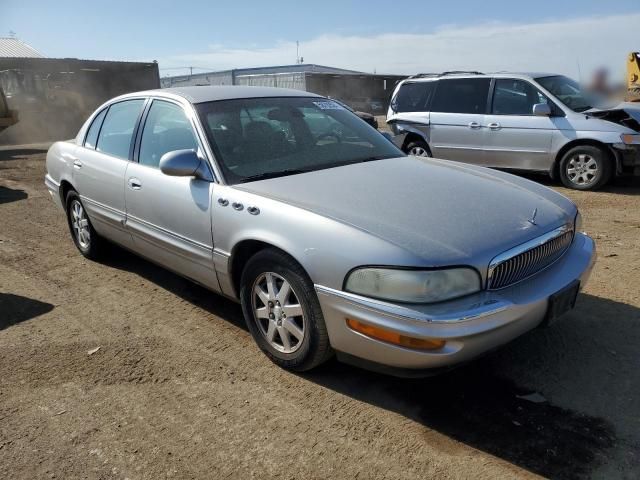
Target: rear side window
x,y
461,95
117,128
413,97
166,129
92,135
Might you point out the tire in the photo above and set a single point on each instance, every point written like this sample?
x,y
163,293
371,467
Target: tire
x,y
418,148
86,239
586,167
309,347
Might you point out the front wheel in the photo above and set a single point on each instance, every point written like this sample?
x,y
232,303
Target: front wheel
x,y
282,311
418,148
586,167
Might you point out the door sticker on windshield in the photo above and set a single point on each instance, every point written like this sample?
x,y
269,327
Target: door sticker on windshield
x,y
328,105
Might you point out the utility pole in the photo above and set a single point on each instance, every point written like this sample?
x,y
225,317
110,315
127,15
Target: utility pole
x,y
297,52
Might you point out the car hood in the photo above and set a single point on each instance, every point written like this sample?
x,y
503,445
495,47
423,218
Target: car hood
x,y
626,114
444,212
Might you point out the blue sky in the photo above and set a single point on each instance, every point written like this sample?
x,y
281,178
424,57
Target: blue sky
x,y
347,34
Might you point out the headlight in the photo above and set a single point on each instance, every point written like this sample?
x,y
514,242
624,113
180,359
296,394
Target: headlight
x,y
413,286
577,224
630,138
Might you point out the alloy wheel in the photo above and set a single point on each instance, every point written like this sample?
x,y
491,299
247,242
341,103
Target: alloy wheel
x,y
278,312
80,224
582,169
418,151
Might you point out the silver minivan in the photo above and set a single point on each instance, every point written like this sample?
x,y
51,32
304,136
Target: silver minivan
x,y
535,122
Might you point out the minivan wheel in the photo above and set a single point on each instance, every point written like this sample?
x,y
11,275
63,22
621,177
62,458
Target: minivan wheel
x,y
418,148
282,311
84,236
585,167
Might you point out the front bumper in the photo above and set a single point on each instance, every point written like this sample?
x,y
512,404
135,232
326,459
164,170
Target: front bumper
x,y
471,325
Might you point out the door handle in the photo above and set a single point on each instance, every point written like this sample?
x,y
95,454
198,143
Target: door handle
x,y
474,125
77,163
135,184
494,126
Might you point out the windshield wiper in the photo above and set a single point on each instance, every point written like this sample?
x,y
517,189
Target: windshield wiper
x,y
267,175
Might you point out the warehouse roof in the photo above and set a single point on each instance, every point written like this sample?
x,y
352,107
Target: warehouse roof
x,y
13,48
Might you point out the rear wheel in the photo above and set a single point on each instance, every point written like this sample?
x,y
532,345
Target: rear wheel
x,y
418,148
282,311
586,167
84,236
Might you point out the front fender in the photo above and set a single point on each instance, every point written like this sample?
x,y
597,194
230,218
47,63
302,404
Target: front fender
x,y
325,248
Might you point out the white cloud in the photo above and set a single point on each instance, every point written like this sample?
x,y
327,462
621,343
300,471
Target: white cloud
x,y
551,46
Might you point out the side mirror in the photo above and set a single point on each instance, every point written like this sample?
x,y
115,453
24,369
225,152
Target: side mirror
x,y
181,163
542,110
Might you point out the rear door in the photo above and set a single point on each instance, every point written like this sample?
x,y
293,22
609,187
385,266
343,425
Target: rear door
x,y
515,138
170,217
457,116
100,165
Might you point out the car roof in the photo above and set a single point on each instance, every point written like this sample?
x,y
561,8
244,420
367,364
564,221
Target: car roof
x,y
211,93
435,76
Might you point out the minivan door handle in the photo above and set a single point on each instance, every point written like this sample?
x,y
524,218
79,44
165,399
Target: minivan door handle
x,y
77,163
494,126
474,125
135,184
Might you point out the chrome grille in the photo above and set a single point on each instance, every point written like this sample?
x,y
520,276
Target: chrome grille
x,y
523,261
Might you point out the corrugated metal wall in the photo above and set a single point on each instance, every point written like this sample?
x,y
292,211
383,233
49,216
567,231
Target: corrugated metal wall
x,y
281,80
214,78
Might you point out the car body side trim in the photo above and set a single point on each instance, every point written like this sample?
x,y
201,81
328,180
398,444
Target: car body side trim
x,y
166,232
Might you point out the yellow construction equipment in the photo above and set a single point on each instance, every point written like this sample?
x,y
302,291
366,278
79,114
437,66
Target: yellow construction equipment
x,y
633,77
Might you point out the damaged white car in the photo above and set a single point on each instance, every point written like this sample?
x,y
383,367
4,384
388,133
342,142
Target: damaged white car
x,y
534,122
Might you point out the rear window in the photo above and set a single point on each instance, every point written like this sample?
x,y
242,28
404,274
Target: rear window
x,y
462,95
413,97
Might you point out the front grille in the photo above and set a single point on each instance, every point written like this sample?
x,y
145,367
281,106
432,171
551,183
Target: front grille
x,y
520,263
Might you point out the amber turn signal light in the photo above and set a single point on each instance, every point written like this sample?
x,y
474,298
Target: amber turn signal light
x,y
394,338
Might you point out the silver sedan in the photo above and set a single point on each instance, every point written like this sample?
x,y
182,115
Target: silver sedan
x,y
332,239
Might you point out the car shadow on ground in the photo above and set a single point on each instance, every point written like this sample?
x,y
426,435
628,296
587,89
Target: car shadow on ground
x,y
8,195
19,153
478,404
627,185
16,308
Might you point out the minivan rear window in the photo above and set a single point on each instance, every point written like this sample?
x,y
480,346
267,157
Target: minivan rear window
x,y
461,95
413,97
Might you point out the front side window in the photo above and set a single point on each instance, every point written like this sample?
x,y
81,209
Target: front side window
x,y
117,129
461,95
94,129
515,97
568,91
413,97
166,129
258,138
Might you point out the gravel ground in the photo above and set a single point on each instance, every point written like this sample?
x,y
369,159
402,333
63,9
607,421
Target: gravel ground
x,y
178,388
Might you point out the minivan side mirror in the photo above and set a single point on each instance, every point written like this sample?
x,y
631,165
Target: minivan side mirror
x,y
542,110
182,163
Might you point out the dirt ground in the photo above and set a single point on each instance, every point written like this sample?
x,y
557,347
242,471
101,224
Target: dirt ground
x,y
178,389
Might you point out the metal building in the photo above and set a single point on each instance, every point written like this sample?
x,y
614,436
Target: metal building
x,y
362,91
53,96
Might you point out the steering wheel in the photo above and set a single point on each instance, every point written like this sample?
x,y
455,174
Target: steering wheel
x,y
335,135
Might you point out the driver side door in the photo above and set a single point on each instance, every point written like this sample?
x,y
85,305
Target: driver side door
x,y
169,217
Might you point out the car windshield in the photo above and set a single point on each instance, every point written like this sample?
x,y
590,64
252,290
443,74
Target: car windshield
x,y
568,91
258,138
